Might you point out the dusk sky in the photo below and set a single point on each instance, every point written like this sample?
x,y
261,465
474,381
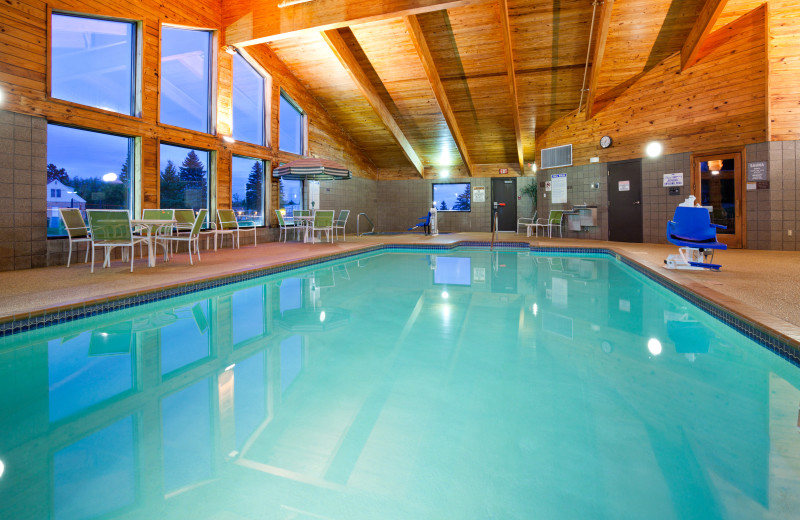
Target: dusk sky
x,y
83,153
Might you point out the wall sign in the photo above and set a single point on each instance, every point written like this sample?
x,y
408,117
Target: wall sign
x,y
548,186
503,171
757,171
479,194
624,185
559,187
673,179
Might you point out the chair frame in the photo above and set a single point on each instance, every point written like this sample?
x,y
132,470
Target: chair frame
x,y
283,226
125,240
554,222
193,239
341,224
226,226
321,214
74,233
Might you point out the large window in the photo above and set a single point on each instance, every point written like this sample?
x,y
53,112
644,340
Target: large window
x,y
93,62
291,126
291,195
86,169
247,189
185,78
452,197
184,178
248,102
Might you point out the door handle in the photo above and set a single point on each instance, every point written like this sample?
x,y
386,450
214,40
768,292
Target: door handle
x,y
636,202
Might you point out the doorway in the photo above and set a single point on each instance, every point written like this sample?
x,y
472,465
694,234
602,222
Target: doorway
x,y
717,184
504,191
625,201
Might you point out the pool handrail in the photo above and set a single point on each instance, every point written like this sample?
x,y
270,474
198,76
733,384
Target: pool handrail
x,y
358,227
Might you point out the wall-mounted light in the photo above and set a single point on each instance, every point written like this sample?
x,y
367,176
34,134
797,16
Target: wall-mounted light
x,y
654,149
715,166
533,167
444,174
230,49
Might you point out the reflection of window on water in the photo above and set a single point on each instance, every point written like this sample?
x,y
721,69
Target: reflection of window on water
x,y
185,339
86,169
247,189
291,195
247,310
250,396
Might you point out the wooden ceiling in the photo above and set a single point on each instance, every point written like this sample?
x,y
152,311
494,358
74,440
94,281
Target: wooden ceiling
x,y
426,85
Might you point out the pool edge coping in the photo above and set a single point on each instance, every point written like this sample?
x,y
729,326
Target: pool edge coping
x,y
779,336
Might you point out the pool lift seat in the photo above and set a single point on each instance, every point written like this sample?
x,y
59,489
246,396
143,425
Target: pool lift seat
x,y
424,223
696,237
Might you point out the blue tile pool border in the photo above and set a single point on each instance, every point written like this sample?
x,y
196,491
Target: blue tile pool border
x,y
782,346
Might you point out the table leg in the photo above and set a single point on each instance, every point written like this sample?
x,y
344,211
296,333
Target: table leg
x,y
151,250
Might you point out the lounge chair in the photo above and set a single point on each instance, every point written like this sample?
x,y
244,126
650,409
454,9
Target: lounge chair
x,y
424,223
284,225
111,228
192,239
323,221
77,231
696,237
341,223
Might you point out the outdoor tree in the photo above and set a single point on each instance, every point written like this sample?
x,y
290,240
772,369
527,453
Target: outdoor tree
x,y
171,187
462,200
54,173
443,206
254,188
192,173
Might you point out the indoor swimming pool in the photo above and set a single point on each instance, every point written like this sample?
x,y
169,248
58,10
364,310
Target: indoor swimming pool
x,y
464,384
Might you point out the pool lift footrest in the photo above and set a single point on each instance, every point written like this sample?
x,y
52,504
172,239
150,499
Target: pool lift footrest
x,y
692,259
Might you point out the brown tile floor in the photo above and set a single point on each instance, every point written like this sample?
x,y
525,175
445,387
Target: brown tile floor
x,y
762,286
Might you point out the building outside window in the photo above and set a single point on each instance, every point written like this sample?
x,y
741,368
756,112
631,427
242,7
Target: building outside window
x,y
93,62
247,189
291,195
292,136
86,170
184,178
185,78
248,102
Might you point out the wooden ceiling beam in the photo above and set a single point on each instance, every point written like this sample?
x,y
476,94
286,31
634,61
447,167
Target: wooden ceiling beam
x,y
690,53
512,82
421,46
249,22
597,55
350,63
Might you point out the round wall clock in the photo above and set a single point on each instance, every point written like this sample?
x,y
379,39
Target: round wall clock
x,y
605,141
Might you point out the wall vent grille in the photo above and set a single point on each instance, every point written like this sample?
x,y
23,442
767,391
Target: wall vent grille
x,y
557,156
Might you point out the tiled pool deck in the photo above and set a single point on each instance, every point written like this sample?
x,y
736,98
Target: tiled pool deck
x,y
755,290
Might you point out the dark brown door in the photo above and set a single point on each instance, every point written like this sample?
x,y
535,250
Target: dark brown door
x,y
504,191
625,201
717,185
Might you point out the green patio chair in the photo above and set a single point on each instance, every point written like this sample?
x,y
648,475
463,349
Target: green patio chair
x,y
111,228
284,225
341,223
554,221
76,230
227,224
192,239
323,221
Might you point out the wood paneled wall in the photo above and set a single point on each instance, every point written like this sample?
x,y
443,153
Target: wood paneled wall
x,y
784,67
23,80
719,102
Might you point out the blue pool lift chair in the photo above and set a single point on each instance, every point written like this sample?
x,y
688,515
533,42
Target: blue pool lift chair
x,y
424,223
696,237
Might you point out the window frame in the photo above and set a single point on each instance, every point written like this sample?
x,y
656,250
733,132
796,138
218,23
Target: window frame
x,y
137,59
303,124
211,127
265,115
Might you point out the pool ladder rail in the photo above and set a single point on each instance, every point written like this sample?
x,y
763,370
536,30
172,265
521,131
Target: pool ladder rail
x,y
358,225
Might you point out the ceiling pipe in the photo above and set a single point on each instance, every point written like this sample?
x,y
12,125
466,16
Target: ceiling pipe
x,y
588,53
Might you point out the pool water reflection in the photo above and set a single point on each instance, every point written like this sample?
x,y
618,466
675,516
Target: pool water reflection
x,y
402,385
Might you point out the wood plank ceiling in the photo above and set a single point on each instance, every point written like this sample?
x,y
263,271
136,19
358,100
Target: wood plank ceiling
x,y
423,86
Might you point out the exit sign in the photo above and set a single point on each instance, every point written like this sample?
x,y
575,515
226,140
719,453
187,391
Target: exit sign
x,y
503,171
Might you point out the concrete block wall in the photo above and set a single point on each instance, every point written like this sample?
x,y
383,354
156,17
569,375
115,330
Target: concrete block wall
x,y
581,182
23,199
658,206
358,194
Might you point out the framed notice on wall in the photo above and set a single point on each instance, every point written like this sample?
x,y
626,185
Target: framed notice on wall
x,y
478,193
558,186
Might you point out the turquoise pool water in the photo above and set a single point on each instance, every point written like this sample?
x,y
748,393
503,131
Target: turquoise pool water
x,y
465,385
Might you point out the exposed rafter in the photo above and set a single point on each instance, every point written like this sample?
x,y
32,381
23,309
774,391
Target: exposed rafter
x,y
690,53
599,51
350,63
512,82
248,22
421,46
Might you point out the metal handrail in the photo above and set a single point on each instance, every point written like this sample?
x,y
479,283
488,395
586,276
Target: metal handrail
x,y
358,225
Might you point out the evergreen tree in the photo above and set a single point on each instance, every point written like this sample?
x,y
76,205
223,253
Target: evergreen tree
x,y
171,188
123,172
254,188
55,173
193,176
462,201
443,206
283,202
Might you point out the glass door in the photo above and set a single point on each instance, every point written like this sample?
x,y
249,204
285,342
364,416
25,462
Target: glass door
x,y
717,185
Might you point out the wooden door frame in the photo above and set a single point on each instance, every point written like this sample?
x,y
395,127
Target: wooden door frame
x,y
741,217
